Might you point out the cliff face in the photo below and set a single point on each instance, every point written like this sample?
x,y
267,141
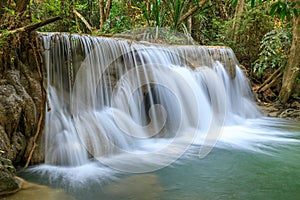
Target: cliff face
x,y
21,105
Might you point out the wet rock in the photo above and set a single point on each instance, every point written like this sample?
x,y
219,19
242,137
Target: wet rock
x,y
8,182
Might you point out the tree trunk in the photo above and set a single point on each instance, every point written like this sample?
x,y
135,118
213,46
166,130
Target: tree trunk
x,y
238,15
102,13
292,68
189,21
107,9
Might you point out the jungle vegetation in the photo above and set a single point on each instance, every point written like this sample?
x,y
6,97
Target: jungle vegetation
x,y
264,34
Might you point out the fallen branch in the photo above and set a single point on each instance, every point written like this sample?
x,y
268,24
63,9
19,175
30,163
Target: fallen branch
x,y
31,27
269,79
267,86
83,20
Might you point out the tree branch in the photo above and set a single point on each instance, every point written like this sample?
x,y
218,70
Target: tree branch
x,y
192,11
83,20
35,139
267,86
31,27
269,79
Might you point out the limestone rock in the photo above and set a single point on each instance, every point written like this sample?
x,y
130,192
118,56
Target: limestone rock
x,y
21,101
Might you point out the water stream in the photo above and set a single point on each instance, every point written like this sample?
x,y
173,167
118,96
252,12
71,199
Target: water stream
x,y
141,121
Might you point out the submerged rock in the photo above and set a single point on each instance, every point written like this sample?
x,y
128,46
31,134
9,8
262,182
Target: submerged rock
x,y
34,191
143,187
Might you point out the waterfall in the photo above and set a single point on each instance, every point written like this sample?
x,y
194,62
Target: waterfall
x,y
114,98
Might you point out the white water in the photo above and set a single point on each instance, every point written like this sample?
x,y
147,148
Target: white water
x,y
139,107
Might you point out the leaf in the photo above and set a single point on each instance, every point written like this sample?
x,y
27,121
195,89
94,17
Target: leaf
x,y
233,3
295,12
282,14
252,3
274,8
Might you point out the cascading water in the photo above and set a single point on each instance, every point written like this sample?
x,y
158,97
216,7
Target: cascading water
x,y
113,97
119,108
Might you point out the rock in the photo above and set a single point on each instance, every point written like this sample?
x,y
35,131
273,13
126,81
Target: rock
x,y
35,191
278,110
8,182
21,103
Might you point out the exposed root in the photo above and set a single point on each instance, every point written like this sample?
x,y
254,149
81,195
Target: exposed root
x,y
35,138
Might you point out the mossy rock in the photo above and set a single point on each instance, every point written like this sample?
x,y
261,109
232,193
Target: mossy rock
x,y
8,182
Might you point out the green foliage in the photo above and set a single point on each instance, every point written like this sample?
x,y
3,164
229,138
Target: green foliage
x,y
252,2
283,8
274,50
154,14
3,38
9,11
298,79
166,13
118,20
211,23
52,8
176,11
253,25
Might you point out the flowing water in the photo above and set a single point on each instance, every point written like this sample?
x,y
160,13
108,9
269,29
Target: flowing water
x,y
141,121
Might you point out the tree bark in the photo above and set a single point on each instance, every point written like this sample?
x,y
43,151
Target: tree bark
x,y
238,15
292,68
107,9
189,22
102,13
